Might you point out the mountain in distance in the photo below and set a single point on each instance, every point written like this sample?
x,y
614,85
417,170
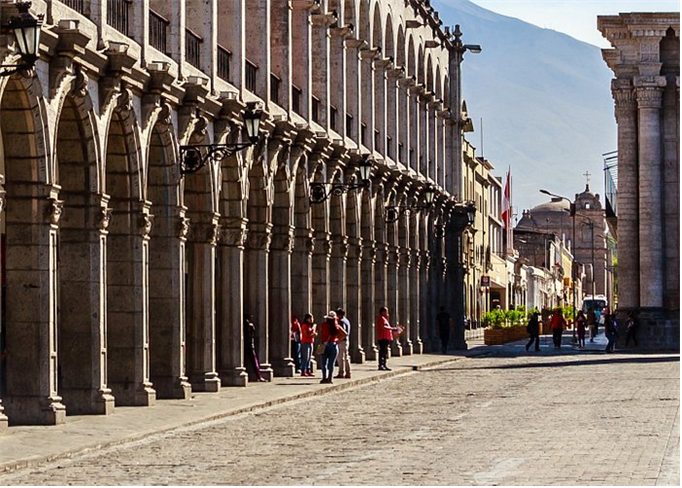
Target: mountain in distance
x,y
544,98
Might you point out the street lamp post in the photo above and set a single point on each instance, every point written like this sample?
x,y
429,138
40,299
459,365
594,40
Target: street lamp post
x,y
26,29
464,215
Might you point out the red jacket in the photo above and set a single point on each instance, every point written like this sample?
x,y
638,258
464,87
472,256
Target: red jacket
x,y
326,332
384,329
307,335
558,321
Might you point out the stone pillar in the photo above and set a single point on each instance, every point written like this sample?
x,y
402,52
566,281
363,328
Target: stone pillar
x,y
404,296
201,310
82,317
651,284
671,191
320,274
229,327
280,301
368,302
301,272
167,327
337,268
628,190
30,305
127,303
257,286
354,300
416,301
392,286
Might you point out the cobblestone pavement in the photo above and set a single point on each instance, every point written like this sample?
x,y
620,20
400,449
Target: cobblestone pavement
x,y
509,418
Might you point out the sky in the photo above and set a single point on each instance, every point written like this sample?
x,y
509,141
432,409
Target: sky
x,y
577,18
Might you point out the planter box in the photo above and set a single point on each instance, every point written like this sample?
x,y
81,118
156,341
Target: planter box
x,y
495,337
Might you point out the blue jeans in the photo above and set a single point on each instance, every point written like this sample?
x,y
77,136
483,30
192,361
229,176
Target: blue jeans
x,y
296,354
331,350
306,356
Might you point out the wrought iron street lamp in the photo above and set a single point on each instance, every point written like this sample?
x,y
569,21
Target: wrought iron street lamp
x,y
319,192
26,29
464,216
194,157
394,212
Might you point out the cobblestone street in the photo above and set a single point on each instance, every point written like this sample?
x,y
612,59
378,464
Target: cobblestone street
x,y
506,418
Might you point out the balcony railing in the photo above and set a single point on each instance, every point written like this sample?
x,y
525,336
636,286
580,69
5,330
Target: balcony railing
x,y
193,44
224,59
251,76
77,5
158,31
118,15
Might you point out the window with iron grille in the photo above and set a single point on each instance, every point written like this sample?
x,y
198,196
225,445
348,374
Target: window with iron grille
x,y
332,117
275,82
349,125
296,97
224,60
193,42
158,31
316,110
118,15
77,5
250,75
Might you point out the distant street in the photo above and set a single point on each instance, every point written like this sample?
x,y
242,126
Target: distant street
x,y
510,418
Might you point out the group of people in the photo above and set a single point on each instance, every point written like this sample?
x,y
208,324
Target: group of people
x,y
334,343
590,322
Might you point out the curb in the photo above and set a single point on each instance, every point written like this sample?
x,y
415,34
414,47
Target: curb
x,y
33,461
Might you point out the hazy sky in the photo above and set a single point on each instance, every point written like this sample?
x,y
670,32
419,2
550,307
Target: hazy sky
x,y
577,18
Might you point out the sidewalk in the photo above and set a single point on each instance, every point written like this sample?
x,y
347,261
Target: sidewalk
x,y
24,446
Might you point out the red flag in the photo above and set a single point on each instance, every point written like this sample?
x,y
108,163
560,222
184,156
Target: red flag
x,y
506,202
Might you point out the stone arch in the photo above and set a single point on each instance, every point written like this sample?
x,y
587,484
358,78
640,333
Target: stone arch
x,y
167,264
82,341
127,260
28,374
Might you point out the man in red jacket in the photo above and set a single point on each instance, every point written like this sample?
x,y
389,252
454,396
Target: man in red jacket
x,y
384,337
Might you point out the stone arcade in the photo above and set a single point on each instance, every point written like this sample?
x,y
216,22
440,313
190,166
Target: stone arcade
x,y
124,282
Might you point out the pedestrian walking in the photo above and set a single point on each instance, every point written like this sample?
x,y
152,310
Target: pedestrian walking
x,y
384,332
610,331
592,323
631,328
581,322
252,363
308,333
444,322
533,329
558,325
295,337
330,334
344,346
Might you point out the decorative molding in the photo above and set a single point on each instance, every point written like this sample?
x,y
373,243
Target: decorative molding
x,y
183,227
103,217
54,210
145,223
259,240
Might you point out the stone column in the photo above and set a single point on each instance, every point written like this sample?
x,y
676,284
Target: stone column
x,y
628,191
280,301
425,280
30,303
651,283
301,272
230,330
201,310
404,296
320,274
257,286
671,191
368,302
416,304
354,300
392,285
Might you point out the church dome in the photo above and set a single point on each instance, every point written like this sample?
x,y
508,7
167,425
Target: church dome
x,y
556,205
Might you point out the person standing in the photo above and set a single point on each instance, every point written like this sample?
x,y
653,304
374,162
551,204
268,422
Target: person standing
x,y
592,323
344,346
558,325
330,334
610,331
444,322
295,337
308,333
534,331
581,322
252,364
631,328
384,332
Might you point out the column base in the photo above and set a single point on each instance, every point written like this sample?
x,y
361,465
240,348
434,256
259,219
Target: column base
x,y
4,424
396,349
372,353
168,387
357,355
235,377
206,382
460,346
142,395
267,372
28,410
284,368
85,401
408,349
417,347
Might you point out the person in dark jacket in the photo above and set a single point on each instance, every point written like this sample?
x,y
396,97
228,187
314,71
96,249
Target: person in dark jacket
x,y
631,328
533,329
610,331
250,355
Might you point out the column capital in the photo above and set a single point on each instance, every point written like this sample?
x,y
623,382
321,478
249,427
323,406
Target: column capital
x,y
259,238
623,95
649,90
283,239
340,246
145,219
206,232
369,251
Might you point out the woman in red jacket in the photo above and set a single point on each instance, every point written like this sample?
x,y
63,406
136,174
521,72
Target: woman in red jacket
x,y
558,324
308,333
330,335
